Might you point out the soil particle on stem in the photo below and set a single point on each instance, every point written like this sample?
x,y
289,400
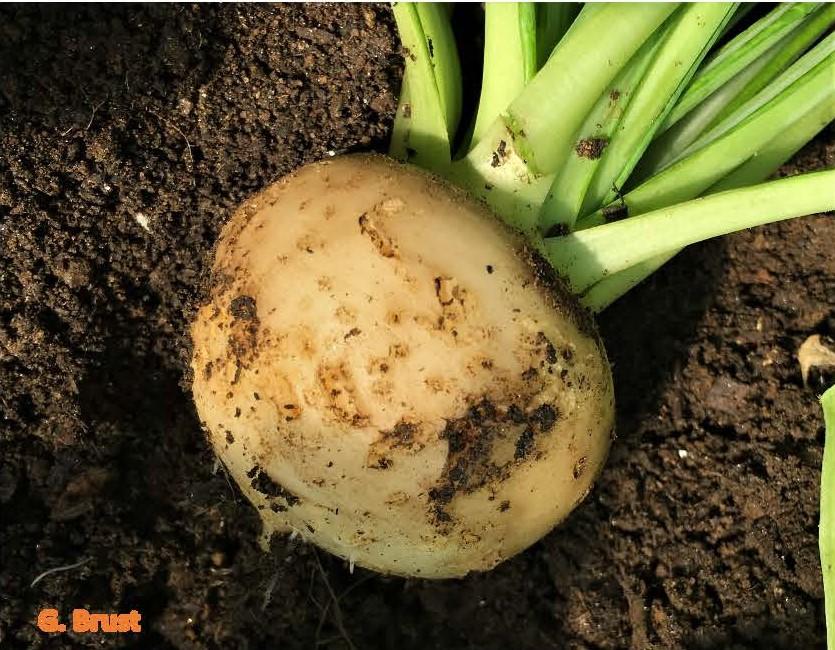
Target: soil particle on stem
x,y
591,148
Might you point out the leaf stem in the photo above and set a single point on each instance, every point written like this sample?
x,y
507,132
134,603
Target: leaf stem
x,y
545,117
420,133
552,22
443,54
703,168
693,32
566,195
780,149
826,529
588,256
509,59
738,54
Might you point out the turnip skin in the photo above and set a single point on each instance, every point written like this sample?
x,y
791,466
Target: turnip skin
x,y
387,370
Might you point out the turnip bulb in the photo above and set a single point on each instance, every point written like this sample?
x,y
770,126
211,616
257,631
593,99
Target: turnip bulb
x,y
388,371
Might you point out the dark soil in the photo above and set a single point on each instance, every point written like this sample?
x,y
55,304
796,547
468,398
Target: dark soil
x,y
127,136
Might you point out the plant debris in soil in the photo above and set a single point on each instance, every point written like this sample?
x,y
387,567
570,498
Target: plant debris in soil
x,y
128,134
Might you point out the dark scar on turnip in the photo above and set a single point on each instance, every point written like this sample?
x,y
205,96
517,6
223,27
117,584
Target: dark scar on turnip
x,y
382,463
562,299
524,444
243,308
263,483
550,350
471,439
381,242
403,436
242,340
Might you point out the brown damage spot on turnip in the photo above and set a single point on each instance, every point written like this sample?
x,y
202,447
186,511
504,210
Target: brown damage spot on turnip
x,y
455,302
439,384
524,444
381,463
242,337
398,351
444,288
291,412
384,245
482,450
345,315
544,417
266,485
564,302
243,308
398,498
548,350
310,244
403,437
579,467
337,389
324,283
371,225
541,420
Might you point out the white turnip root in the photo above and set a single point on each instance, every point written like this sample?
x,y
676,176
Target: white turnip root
x,y
390,372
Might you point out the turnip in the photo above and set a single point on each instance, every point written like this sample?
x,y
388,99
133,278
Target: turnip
x,y
391,372
426,393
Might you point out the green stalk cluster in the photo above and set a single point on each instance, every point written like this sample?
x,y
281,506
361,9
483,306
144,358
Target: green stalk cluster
x,y
598,130
510,59
655,78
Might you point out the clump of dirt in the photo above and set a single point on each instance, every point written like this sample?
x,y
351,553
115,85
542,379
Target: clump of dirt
x,y
128,135
591,148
